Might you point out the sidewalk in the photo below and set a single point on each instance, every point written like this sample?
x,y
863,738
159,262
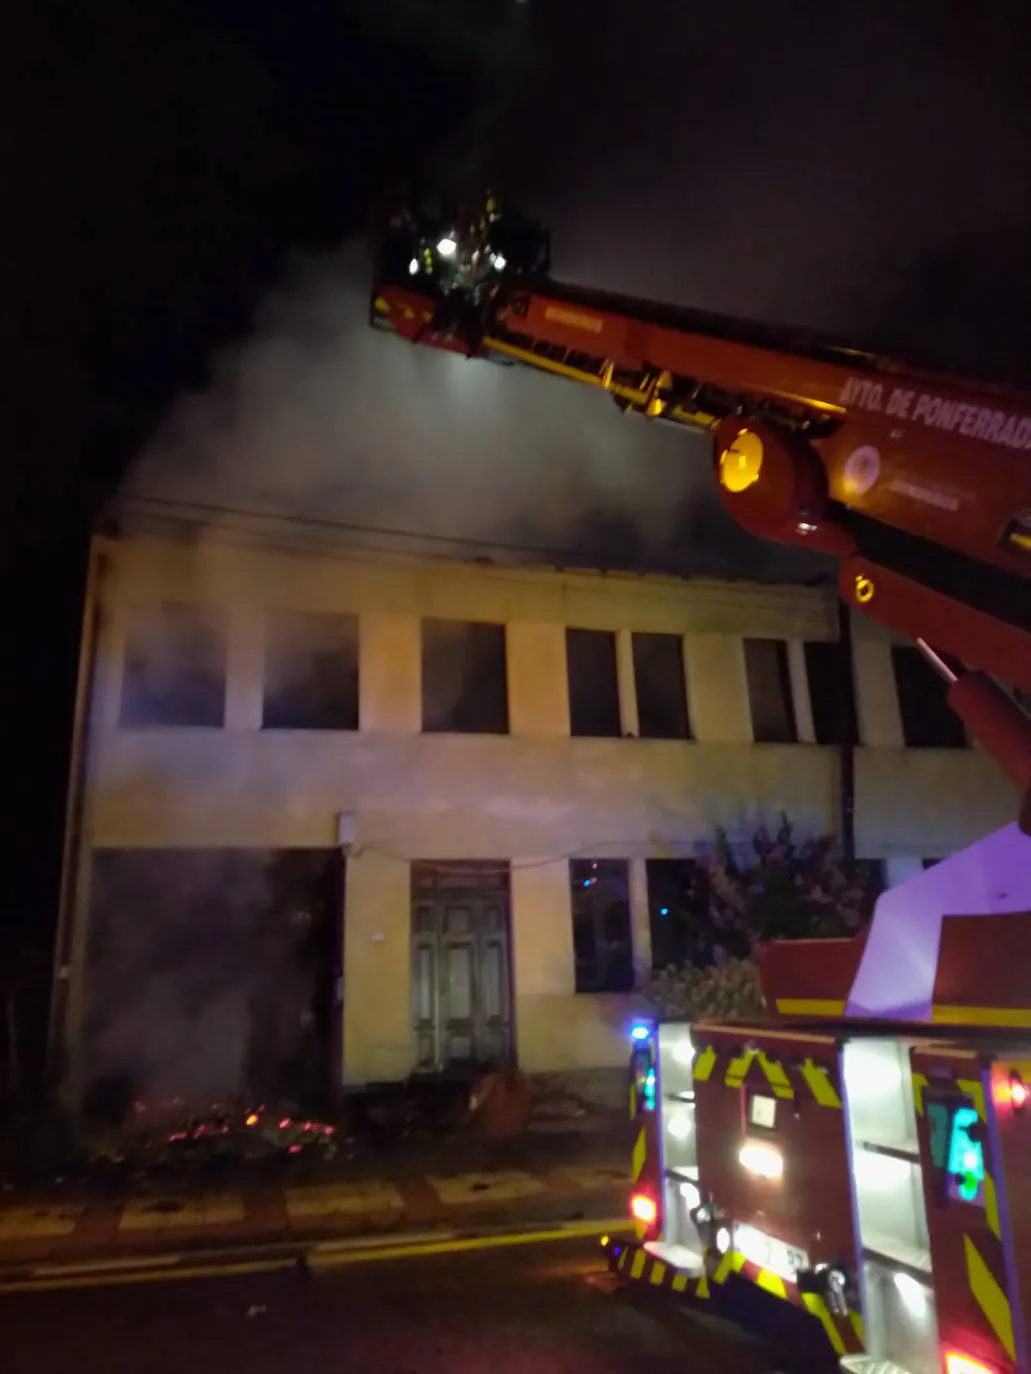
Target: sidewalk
x,y
459,1183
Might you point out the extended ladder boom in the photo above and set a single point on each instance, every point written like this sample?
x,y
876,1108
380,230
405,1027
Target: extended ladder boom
x,y
918,482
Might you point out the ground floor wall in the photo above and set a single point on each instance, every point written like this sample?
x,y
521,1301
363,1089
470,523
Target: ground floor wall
x,y
257,972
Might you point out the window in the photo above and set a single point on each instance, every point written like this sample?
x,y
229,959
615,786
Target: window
x,y
928,722
175,668
602,939
464,679
593,683
311,672
678,911
661,689
831,693
769,691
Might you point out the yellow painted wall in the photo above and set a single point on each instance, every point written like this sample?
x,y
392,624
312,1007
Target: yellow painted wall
x,y
535,796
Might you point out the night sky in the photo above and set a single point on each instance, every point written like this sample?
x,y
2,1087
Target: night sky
x,y
187,185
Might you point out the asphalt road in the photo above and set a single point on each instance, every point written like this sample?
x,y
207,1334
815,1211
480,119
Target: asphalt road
x,y
535,1309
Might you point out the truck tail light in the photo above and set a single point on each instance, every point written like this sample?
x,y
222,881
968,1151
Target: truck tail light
x,y
643,1208
958,1363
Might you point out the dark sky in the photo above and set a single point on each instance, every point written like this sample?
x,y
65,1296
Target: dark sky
x,y
861,169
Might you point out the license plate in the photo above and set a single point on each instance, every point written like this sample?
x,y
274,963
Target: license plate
x,y
769,1253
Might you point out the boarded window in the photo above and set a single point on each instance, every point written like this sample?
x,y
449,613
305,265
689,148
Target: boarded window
x,y
602,939
661,687
678,911
174,668
593,683
464,680
769,691
928,721
311,672
831,693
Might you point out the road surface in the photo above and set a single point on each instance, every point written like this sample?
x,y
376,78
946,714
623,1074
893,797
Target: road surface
x,y
536,1309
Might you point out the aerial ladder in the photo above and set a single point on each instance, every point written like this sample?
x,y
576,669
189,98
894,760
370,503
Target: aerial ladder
x,y
859,1158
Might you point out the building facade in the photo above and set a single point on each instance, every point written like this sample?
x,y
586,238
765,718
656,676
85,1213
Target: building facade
x,y
374,801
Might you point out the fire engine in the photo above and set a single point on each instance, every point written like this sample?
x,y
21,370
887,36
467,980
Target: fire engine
x,y
854,1166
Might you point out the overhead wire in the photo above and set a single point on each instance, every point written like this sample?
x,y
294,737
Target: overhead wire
x,y
564,557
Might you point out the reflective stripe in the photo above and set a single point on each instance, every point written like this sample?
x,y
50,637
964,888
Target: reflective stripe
x,y
816,1307
991,1297
634,1262
817,1078
776,1077
731,1263
1013,1018
809,1006
919,1084
771,1283
704,1064
639,1158
818,1081
737,1068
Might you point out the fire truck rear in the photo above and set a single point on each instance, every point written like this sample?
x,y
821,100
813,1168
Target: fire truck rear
x,y
846,1180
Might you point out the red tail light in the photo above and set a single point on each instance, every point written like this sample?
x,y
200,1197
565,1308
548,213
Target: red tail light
x,y
958,1363
644,1209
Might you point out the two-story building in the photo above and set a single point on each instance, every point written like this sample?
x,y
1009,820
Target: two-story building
x,y
359,815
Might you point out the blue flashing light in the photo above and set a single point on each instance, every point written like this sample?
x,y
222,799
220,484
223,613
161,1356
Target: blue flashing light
x,y
663,910
639,1031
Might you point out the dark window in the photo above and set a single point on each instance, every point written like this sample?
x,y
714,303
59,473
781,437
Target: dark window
x,y
593,683
464,681
678,911
175,668
928,722
602,938
831,693
661,689
311,672
769,691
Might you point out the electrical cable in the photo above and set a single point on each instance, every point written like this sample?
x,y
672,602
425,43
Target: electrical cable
x,y
562,557
545,551
588,854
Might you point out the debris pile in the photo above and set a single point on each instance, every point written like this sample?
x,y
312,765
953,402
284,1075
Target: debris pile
x,y
167,1138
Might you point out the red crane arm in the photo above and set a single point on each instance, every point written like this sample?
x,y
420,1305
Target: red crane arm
x,y
917,481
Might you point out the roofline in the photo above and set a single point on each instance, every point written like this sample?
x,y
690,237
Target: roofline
x,y
275,534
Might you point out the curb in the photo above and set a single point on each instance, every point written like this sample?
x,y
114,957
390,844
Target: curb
x,y
305,1258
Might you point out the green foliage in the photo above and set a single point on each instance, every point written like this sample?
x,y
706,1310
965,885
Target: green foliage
x,y
784,889
727,989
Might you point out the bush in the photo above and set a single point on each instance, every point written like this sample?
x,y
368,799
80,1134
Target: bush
x,y
784,889
728,989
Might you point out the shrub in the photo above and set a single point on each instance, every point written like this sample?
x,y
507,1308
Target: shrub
x,y
728,989
783,889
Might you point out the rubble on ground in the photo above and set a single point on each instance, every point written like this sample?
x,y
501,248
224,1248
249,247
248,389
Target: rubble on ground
x,y
170,1137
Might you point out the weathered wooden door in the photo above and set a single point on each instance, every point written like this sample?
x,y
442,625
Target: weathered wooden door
x,y
461,988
